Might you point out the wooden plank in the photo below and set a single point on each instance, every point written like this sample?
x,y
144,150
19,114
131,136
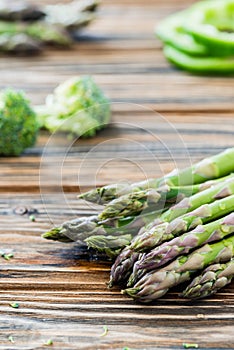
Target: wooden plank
x,y
77,336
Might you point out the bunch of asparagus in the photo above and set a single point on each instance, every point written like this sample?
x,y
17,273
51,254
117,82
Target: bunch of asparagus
x,y
163,232
24,27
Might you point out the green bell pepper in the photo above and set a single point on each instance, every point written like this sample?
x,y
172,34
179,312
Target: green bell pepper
x,y
222,65
201,38
171,32
211,23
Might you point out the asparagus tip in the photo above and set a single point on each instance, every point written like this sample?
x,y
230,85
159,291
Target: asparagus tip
x,y
56,234
110,283
50,234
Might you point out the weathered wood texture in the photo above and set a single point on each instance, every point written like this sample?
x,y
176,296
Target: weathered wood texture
x,y
60,287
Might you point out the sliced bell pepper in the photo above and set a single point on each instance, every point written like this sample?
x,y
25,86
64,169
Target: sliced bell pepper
x,y
171,32
211,23
222,65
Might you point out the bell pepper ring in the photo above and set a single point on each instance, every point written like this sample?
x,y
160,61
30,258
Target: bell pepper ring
x,y
171,32
208,65
211,23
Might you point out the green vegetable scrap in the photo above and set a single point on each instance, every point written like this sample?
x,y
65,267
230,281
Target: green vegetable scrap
x,y
14,305
105,331
11,339
32,218
18,123
77,106
190,346
201,39
7,256
49,342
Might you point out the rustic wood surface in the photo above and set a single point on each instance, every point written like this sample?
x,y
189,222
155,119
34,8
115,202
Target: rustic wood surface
x,y
61,288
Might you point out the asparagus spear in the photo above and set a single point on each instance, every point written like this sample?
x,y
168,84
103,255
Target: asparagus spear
x,y
163,231
110,245
216,230
75,230
73,15
56,234
48,33
213,167
149,238
213,278
71,231
155,284
130,204
122,266
81,228
169,250
136,202
19,10
19,43
39,31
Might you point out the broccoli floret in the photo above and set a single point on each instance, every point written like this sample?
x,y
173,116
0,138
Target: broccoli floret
x,y
77,106
18,123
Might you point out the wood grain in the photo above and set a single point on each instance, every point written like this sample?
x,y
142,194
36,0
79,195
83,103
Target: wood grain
x,y
61,288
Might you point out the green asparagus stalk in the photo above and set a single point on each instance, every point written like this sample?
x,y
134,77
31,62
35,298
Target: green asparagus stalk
x,y
48,33
136,202
130,204
71,16
19,44
56,234
149,238
213,167
39,31
20,11
188,218
81,228
167,231
110,245
23,27
74,230
155,284
214,231
10,28
213,278
122,267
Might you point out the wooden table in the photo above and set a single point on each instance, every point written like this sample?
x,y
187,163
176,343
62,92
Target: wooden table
x,y
60,289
